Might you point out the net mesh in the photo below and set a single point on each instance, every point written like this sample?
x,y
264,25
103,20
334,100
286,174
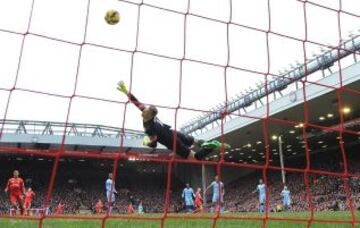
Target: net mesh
x,y
266,120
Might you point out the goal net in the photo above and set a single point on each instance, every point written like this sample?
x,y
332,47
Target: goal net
x,y
276,80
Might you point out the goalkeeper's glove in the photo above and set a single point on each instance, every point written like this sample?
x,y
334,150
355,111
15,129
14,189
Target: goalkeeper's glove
x,y
122,88
146,141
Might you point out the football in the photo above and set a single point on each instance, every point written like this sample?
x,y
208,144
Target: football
x,y
112,17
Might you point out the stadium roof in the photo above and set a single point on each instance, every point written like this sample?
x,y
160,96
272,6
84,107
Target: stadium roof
x,y
48,136
246,132
323,61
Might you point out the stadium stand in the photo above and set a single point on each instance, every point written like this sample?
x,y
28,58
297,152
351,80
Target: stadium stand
x,y
80,183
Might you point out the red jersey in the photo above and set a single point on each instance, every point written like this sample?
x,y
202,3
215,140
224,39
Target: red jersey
x,y
60,209
29,196
15,186
130,209
99,207
198,199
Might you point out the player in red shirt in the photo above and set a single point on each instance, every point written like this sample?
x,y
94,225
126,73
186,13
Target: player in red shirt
x,y
29,195
99,207
60,209
17,189
198,201
130,209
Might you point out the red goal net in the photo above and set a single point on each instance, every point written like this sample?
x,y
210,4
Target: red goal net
x,y
185,58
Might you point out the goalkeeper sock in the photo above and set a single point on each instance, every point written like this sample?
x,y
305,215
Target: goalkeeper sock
x,y
202,153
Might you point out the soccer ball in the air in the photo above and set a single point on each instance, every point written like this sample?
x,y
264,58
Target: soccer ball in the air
x,y
112,17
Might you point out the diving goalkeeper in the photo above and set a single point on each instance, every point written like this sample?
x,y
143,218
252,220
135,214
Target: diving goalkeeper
x,y
158,132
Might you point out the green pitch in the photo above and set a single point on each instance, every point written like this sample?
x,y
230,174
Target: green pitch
x,y
192,223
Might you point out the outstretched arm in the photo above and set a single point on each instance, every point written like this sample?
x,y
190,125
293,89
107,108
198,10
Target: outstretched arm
x,y
208,187
254,190
7,186
122,88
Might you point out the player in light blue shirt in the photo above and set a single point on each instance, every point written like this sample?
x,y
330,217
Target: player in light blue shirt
x,y
188,195
218,194
285,193
140,208
110,191
262,195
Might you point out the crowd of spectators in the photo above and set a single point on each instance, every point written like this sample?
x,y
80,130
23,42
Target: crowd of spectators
x,y
325,191
80,189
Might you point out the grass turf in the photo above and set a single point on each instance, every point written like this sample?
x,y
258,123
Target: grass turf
x,y
178,221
